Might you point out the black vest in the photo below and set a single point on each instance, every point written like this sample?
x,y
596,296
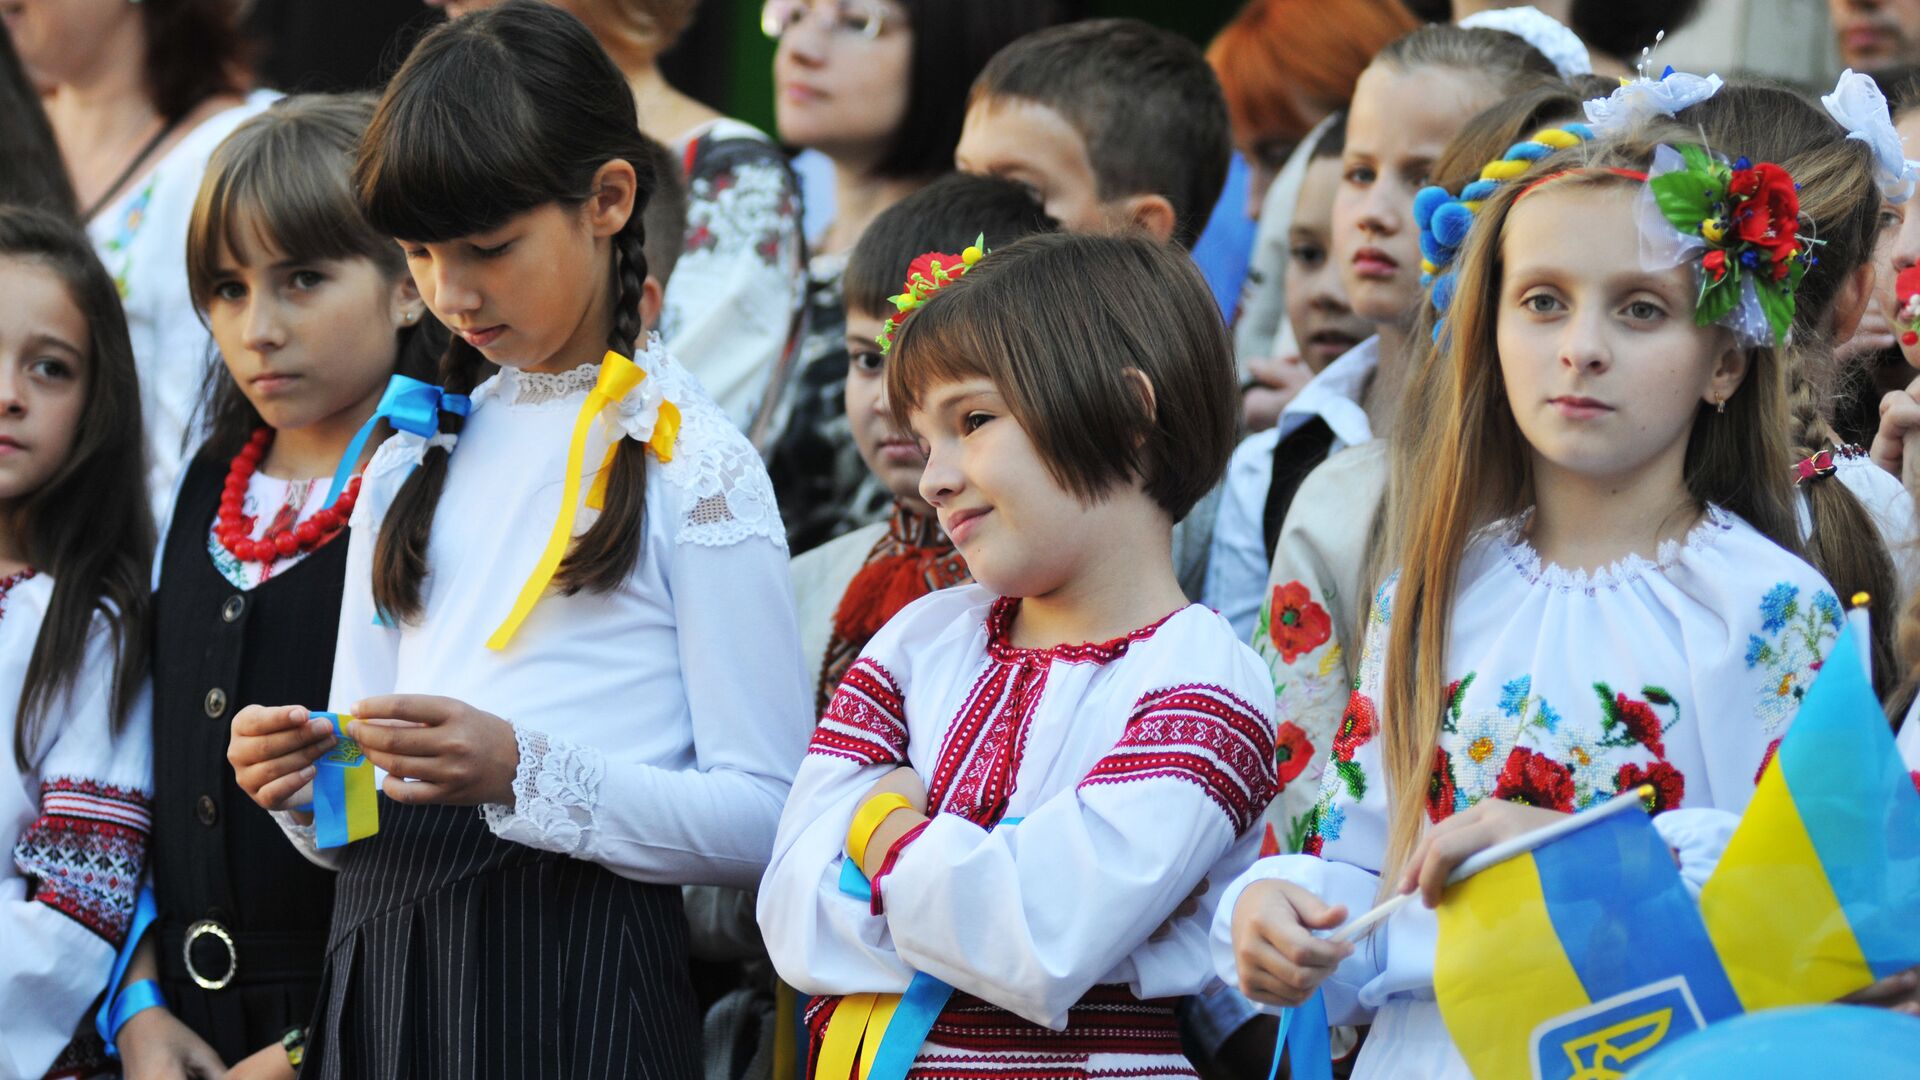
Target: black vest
x,y
215,854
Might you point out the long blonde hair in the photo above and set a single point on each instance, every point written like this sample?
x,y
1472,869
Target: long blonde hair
x,y
1478,471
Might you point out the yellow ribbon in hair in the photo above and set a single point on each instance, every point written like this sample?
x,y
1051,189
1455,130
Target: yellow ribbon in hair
x,y
618,377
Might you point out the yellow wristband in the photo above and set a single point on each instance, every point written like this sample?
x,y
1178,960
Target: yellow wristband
x,y
867,819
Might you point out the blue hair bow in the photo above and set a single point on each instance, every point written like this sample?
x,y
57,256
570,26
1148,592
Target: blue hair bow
x,y
408,405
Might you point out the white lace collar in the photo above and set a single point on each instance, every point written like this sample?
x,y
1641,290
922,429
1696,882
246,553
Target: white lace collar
x,y
1510,537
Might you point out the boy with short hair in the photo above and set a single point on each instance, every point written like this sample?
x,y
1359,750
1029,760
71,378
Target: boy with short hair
x,y
1113,123
848,588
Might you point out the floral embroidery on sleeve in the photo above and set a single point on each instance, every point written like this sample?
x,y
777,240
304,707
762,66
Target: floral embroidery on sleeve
x,y
1794,641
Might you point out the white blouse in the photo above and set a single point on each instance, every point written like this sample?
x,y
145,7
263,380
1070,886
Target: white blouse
x,y
1137,769
75,822
141,238
1681,671
658,725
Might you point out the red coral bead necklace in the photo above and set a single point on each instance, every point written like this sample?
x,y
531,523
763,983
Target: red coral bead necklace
x,y
234,528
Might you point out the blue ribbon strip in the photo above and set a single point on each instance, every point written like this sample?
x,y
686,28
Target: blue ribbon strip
x,y
919,1007
1304,1034
408,405
145,911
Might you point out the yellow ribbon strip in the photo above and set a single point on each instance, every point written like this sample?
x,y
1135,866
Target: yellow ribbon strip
x,y
618,377
866,822
854,1032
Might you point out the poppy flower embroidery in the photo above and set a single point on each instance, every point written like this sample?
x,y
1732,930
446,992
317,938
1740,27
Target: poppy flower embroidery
x,y
1292,750
1296,624
1536,780
1669,785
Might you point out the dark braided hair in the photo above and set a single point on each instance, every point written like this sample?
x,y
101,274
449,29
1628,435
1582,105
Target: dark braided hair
x,y
494,115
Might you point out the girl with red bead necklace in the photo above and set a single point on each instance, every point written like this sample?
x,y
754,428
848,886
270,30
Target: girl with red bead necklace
x,y
312,312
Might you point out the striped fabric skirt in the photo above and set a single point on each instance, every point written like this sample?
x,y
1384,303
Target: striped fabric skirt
x,y
454,953
1110,1034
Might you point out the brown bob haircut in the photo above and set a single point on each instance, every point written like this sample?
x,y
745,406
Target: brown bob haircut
x,y
1057,322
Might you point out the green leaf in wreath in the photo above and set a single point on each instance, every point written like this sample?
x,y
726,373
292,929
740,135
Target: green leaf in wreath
x,y
1717,298
1777,302
1682,200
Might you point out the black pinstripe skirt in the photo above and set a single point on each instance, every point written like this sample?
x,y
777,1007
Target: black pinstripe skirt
x,y
454,953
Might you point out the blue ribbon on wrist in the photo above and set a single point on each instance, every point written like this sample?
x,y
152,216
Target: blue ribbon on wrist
x,y
407,405
122,1003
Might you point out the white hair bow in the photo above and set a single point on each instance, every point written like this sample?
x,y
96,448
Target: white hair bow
x,y
1860,107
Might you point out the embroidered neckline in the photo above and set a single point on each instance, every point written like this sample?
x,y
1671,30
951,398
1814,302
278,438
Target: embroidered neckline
x,y
1624,571
1000,627
7,582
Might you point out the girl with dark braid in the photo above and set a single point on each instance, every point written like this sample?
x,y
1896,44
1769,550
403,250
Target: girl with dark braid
x,y
577,621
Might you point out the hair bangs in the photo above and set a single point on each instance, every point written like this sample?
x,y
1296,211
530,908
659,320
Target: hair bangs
x,y
941,342
264,190
454,146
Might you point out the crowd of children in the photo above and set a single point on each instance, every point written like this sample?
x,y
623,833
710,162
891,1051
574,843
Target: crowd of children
x,y
949,649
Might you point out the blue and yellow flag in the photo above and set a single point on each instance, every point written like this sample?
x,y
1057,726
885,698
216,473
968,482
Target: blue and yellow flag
x,y
1576,959
1818,893
346,806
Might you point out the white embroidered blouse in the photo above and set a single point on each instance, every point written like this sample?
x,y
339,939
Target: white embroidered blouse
x,y
658,725
75,825
1137,768
1681,671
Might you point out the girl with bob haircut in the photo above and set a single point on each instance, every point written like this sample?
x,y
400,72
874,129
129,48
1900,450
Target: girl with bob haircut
x,y
313,311
75,541
1599,584
647,659
1075,398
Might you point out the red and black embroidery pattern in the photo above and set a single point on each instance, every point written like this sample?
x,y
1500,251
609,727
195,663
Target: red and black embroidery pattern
x,y
981,754
85,852
1202,735
865,722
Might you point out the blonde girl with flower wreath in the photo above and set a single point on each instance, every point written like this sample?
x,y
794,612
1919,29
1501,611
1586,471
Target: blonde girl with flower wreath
x,y
568,639
1598,587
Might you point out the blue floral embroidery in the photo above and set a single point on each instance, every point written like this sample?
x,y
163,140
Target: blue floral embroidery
x,y
1789,656
1548,718
1333,819
1779,605
1513,696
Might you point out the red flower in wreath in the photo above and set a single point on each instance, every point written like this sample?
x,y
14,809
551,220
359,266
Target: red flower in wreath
x,y
1765,760
1356,726
1297,624
1669,786
1536,780
1291,752
1715,262
1642,723
1442,794
1769,214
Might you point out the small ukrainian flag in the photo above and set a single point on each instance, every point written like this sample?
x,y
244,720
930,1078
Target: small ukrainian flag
x,y
346,805
1818,893
1578,958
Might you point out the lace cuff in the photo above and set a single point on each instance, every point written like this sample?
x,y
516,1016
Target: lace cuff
x,y
556,787
303,838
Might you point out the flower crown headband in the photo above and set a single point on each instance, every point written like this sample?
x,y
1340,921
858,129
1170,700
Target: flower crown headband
x,y
927,275
1444,218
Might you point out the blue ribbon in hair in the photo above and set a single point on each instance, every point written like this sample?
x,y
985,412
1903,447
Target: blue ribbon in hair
x,y
408,405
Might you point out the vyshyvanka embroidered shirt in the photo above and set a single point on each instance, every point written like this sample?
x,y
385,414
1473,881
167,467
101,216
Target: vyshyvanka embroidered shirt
x,y
1565,687
1136,769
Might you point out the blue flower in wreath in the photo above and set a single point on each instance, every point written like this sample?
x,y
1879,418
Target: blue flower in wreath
x,y
1778,606
1756,650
